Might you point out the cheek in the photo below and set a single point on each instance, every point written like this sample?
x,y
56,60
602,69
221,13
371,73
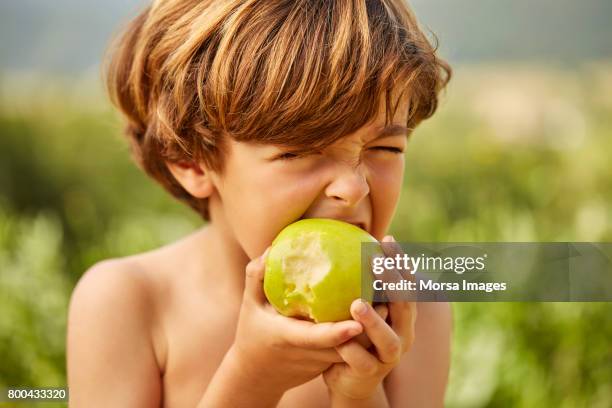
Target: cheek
x,y
264,202
386,186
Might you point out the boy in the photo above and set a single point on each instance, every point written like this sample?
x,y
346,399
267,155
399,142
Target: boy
x,y
257,114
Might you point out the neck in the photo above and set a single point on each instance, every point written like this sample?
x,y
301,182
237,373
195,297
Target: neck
x,y
226,254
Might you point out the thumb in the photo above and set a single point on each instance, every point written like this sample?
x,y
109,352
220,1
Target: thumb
x,y
253,285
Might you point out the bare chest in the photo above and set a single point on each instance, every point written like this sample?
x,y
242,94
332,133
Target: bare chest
x,y
197,336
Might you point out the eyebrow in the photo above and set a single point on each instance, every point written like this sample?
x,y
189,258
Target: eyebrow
x,y
392,130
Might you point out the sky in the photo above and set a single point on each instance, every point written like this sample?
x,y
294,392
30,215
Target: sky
x,y
71,35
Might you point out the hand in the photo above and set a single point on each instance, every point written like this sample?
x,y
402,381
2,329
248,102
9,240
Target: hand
x,y
277,352
363,368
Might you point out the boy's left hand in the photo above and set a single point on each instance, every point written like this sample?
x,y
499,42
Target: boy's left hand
x,y
364,369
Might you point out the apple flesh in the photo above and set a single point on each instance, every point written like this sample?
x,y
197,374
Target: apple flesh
x,y
313,269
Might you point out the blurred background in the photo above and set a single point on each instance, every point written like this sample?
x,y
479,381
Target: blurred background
x,y
520,150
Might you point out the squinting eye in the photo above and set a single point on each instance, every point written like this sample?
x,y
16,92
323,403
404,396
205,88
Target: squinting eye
x,y
287,156
293,156
390,149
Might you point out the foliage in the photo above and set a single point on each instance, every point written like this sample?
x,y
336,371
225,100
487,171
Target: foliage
x,y
516,153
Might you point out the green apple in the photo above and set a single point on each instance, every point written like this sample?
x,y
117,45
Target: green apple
x,y
313,269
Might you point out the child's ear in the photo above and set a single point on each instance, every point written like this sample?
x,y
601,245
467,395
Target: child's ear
x,y
194,178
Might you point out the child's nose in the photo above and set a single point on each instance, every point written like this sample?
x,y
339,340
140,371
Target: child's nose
x,y
349,186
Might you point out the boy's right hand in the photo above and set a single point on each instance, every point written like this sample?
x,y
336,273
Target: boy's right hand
x,y
278,352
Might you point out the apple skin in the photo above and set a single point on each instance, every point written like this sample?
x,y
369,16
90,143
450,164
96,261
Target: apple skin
x,y
313,269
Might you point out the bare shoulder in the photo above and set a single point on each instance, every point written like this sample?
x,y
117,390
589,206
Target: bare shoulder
x,y
115,278
109,337
421,377
115,288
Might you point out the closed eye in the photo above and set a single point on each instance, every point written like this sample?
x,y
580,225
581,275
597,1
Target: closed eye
x,y
294,155
287,156
390,149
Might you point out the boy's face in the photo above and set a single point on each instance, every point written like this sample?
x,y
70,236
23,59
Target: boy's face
x,y
357,179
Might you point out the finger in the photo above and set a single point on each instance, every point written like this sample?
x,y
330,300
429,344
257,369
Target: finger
x,y
329,355
395,275
310,335
387,343
391,247
363,339
403,317
253,285
358,358
403,312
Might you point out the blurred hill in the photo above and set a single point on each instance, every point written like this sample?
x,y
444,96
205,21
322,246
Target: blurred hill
x,y
541,30
70,35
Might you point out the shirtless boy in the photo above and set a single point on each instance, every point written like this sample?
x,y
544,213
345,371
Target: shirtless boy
x,y
257,113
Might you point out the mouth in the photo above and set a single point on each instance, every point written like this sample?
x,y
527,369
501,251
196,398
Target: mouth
x,y
361,225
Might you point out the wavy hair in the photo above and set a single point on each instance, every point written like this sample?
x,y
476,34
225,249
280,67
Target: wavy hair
x,y
296,73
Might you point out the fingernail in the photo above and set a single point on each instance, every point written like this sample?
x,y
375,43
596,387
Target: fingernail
x,y
361,308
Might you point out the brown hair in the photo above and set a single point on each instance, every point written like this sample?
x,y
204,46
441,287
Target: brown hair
x,y
295,73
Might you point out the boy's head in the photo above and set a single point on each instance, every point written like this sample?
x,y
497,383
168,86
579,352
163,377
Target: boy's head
x,y
219,93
